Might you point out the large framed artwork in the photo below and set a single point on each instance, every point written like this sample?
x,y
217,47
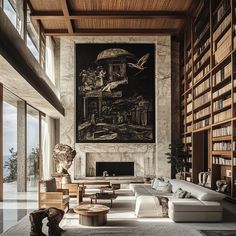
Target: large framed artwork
x,y
115,93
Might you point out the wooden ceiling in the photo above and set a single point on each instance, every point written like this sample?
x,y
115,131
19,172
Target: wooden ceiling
x,y
116,17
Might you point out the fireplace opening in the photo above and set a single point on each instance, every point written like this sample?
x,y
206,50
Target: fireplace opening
x,y
115,168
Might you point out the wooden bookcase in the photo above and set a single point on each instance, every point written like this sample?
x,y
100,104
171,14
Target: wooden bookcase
x,y
208,91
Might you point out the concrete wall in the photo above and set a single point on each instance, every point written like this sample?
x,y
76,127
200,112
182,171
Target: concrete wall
x,y
155,152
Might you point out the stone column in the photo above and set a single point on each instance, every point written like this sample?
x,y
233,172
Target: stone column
x,y
21,147
1,142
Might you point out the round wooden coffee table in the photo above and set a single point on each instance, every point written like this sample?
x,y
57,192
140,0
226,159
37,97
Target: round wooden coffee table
x,y
92,214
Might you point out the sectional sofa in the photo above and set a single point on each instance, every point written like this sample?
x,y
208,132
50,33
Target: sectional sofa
x,y
204,205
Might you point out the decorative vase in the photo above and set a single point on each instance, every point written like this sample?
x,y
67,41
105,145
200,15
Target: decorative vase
x,y
65,179
179,176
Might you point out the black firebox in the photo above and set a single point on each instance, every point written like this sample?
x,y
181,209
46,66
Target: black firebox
x,y
115,168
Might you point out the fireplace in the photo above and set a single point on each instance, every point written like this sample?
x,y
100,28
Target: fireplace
x,y
115,168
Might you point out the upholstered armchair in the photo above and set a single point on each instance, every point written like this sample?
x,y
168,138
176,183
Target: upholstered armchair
x,y
51,196
75,191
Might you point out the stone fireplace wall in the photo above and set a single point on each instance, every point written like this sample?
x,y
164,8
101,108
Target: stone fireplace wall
x,y
150,159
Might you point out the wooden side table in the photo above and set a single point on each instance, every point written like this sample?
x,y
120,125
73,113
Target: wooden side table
x,y
103,196
92,214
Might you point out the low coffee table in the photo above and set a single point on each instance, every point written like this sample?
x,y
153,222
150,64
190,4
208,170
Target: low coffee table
x,y
103,196
92,214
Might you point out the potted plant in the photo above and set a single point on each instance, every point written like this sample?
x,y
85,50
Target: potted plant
x,y
177,157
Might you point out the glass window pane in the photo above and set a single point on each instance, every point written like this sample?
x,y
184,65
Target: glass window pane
x,y
10,11
32,47
32,149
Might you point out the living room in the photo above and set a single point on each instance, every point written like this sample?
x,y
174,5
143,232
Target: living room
x,y
117,117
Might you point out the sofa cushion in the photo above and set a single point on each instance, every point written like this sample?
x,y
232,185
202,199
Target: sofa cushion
x,y
180,193
194,206
199,192
163,186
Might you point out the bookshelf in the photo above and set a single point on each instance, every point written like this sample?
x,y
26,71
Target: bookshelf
x,y
208,91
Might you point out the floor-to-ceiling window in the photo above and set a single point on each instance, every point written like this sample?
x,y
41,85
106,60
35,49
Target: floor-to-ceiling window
x,y
32,149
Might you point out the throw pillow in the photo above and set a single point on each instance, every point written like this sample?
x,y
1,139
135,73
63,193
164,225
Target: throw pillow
x,y
180,193
155,183
164,187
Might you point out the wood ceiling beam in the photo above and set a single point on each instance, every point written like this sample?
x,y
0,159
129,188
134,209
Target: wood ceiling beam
x,y
66,15
118,31
76,15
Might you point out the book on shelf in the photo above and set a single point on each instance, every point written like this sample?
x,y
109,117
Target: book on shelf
x,y
222,146
222,74
204,112
202,100
189,97
222,103
221,43
223,50
204,58
222,90
222,131
201,74
199,50
188,139
222,10
225,115
202,123
189,118
222,27
234,161
188,179
202,87
199,37
189,107
189,128
219,160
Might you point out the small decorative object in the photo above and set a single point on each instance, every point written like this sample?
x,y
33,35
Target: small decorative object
x,y
221,186
104,173
177,157
147,180
228,173
54,216
64,155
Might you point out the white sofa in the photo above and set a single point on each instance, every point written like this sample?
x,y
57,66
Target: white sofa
x,y
203,206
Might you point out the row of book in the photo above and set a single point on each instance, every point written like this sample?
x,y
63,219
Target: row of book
x,y
201,74
202,87
188,139
222,10
221,103
222,146
218,160
189,159
189,107
202,123
224,49
221,43
222,131
202,100
225,115
189,97
188,65
206,28
189,118
189,128
222,27
201,49
222,74
204,112
204,58
221,91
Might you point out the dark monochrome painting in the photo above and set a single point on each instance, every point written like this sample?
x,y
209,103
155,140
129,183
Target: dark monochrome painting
x,y
115,93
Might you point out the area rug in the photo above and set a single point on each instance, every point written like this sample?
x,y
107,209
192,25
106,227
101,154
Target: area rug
x,y
218,232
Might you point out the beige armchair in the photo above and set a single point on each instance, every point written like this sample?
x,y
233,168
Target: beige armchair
x,y
51,196
75,191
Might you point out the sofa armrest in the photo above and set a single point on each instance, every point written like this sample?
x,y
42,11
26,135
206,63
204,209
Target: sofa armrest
x,y
63,191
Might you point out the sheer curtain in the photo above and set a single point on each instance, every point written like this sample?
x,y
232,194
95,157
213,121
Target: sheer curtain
x,y
48,142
